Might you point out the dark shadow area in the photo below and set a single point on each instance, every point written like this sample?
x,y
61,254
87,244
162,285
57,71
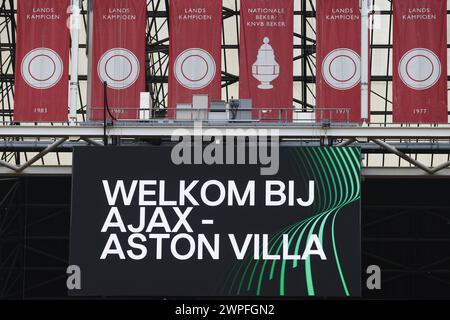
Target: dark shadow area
x,y
405,231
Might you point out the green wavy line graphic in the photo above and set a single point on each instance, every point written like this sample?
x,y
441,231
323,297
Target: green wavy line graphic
x,y
336,172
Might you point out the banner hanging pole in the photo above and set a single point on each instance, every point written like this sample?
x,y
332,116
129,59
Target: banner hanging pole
x,y
364,6
74,32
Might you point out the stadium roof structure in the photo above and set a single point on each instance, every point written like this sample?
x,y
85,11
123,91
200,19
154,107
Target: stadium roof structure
x,y
389,149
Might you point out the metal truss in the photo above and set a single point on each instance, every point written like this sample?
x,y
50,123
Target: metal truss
x,y
11,235
157,77
30,249
372,140
399,270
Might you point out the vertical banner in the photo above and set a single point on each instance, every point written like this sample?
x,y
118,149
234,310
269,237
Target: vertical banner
x,y
117,57
195,51
42,61
266,57
338,78
420,61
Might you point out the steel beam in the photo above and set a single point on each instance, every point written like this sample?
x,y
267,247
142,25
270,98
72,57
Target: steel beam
x,y
375,173
285,130
401,173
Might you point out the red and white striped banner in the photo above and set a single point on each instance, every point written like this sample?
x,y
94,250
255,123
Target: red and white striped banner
x,y
338,84
42,61
266,57
195,51
420,61
118,57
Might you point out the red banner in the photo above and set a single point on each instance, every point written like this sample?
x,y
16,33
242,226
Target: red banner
x,y
195,51
266,57
118,57
420,61
42,61
338,78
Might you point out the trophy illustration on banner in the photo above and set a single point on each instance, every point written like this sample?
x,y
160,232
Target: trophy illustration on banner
x,y
266,69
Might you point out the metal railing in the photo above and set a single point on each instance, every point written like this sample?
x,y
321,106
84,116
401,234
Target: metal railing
x,y
280,116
